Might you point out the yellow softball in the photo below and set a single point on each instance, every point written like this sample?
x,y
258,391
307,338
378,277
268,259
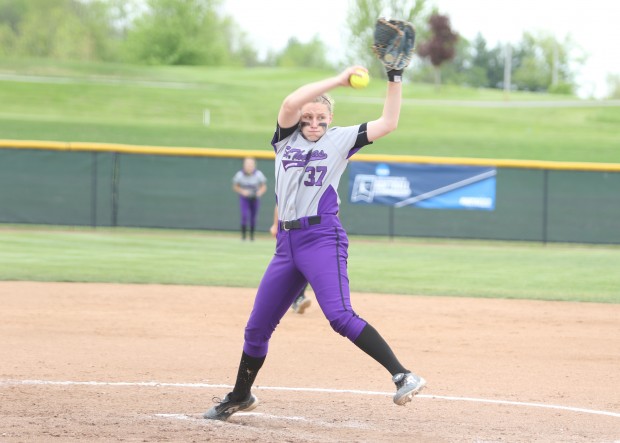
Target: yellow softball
x,y
359,80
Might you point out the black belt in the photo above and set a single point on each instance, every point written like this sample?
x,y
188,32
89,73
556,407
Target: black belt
x,y
298,224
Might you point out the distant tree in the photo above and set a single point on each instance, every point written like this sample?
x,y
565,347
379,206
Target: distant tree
x,y
240,48
63,29
244,53
613,83
532,75
544,64
361,18
172,32
12,13
7,40
183,32
441,47
495,67
307,55
461,70
474,64
491,61
122,13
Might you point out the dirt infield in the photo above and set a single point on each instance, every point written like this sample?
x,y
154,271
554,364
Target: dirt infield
x,y
100,363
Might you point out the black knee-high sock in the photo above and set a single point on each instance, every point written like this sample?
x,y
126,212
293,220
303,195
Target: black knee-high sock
x,y
248,369
243,229
374,345
251,232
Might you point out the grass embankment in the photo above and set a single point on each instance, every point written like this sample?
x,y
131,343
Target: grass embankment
x,y
164,106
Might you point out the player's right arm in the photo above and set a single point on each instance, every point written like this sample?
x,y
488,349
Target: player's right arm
x,y
261,190
239,190
290,111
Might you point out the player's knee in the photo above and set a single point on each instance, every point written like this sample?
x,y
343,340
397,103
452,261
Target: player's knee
x,y
346,324
256,341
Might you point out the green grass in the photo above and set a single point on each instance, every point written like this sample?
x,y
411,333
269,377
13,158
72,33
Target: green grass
x,y
406,266
163,106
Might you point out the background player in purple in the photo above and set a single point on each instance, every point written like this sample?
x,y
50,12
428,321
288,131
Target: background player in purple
x,y
311,243
250,184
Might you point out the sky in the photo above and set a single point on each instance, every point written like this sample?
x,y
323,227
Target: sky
x,y
592,26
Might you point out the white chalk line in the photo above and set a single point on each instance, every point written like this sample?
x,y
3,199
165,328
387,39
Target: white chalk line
x,y
318,390
323,424
256,414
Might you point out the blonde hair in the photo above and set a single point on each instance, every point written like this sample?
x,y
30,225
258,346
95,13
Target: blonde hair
x,y
327,101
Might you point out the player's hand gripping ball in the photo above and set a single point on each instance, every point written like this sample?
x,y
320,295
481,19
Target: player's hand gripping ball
x,y
359,80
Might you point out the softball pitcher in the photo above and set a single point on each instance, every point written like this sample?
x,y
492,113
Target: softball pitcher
x,y
311,243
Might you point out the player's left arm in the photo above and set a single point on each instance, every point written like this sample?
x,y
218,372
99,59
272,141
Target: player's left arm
x,y
388,121
393,45
262,185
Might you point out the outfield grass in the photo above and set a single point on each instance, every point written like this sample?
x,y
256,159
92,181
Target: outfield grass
x,y
405,266
163,106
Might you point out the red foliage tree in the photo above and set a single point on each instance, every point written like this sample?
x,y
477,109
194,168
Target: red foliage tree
x,y
442,45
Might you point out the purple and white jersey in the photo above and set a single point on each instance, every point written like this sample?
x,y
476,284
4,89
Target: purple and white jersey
x,y
251,182
308,173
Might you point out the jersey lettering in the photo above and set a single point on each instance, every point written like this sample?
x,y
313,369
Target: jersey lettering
x,y
293,158
298,158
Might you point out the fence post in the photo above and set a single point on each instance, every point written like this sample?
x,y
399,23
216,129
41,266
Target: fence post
x,y
93,191
391,218
115,179
545,204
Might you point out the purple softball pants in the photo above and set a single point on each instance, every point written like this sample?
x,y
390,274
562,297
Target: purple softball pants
x,y
316,254
249,210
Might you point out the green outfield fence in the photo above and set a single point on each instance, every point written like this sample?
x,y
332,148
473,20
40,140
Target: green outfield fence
x,y
89,184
